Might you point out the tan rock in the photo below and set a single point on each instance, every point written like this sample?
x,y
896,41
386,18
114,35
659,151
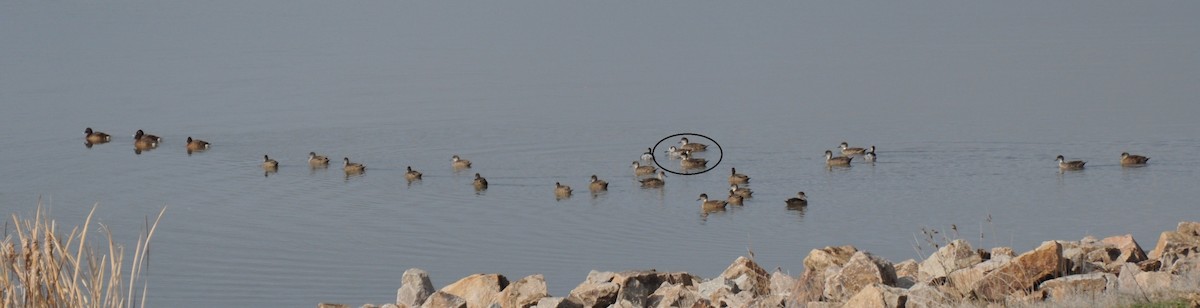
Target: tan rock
x,y
782,284
441,299
1076,285
1003,251
818,304
1022,273
478,290
811,285
862,270
1155,280
748,276
963,281
907,268
1189,228
523,293
1172,244
954,256
551,302
415,287
878,295
332,305
1127,278
819,259
925,295
599,294
1130,250
673,295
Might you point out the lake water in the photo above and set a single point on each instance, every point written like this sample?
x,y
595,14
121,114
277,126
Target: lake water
x,y
967,103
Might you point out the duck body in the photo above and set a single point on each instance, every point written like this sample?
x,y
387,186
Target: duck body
x,y
350,167
459,163
837,161
689,162
738,178
692,147
95,137
1131,160
197,144
711,205
269,164
1063,164
411,174
658,181
480,183
847,150
638,169
317,160
799,200
596,184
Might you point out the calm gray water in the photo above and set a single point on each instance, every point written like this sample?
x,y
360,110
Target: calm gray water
x,y
968,105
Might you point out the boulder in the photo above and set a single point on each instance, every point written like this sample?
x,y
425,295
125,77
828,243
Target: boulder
x,y
1022,273
1129,249
523,293
415,287
1155,281
925,295
598,294
782,284
636,286
961,282
906,273
552,302
441,299
332,305
1075,285
478,290
818,304
878,295
390,305
1127,278
1003,251
862,270
710,288
956,255
748,277
1172,244
811,285
675,295
907,268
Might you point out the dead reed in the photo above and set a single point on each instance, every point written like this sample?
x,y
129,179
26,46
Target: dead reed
x,y
42,268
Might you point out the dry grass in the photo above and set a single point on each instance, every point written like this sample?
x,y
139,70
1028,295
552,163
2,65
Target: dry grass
x,y
44,269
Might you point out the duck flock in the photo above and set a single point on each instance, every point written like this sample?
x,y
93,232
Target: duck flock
x,y
648,175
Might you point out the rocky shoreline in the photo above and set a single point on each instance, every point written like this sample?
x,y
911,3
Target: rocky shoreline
x,y
1053,274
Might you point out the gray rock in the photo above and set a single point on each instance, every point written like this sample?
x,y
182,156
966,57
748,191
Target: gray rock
x,y
1075,285
925,295
415,287
479,290
782,284
587,294
551,302
878,295
748,276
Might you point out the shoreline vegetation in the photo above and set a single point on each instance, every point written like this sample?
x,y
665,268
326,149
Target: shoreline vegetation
x,y
1110,272
44,267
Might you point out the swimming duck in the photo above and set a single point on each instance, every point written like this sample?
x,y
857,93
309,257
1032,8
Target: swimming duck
x,y
139,135
648,155
412,174
638,169
737,178
836,161
711,205
745,192
595,184
197,144
847,150
799,200
693,147
870,155
269,164
480,182
1127,159
674,152
350,167
688,162
734,199
95,137
317,160
657,181
1069,165
561,190
459,163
